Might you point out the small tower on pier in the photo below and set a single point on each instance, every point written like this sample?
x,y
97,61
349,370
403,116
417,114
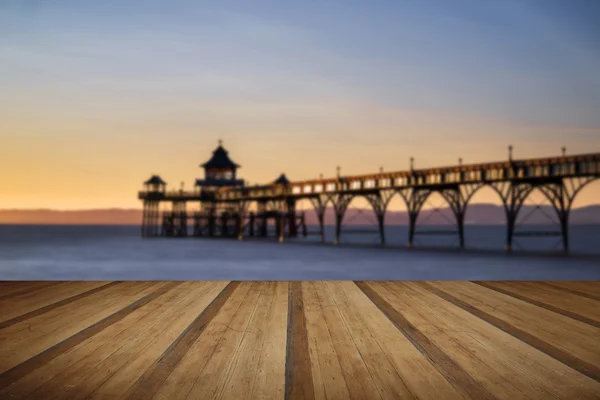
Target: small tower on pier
x,y
155,185
155,189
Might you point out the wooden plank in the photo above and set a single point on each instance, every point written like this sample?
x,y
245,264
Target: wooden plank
x,y
82,373
111,373
359,381
298,376
462,381
504,365
587,287
184,376
154,377
19,359
269,382
109,339
19,288
327,376
580,309
420,376
214,377
456,293
184,314
242,376
42,297
33,336
61,303
565,287
31,300
388,381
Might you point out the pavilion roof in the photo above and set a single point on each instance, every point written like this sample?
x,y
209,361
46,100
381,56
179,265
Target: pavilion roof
x,y
155,180
220,159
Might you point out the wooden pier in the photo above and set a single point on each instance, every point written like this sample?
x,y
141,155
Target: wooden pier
x,y
225,200
300,340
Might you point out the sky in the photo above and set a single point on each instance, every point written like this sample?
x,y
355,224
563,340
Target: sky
x,y
97,96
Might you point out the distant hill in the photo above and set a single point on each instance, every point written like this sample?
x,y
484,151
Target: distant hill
x,y
113,216
480,214
477,214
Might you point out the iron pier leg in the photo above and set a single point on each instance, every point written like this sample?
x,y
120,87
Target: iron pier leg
x,y
240,227
304,232
412,222
460,220
565,232
338,228
321,217
510,228
281,227
251,225
144,218
381,223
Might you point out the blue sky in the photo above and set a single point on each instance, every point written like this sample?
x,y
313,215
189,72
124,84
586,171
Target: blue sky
x,y
348,74
531,61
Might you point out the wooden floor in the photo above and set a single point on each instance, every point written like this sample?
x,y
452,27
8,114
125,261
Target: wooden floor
x,y
300,340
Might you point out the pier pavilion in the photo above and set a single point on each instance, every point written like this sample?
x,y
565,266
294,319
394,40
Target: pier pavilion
x,y
225,199
217,218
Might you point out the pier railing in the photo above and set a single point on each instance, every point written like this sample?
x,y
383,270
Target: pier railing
x,y
522,170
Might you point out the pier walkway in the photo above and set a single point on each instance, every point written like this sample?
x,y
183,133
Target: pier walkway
x,y
300,340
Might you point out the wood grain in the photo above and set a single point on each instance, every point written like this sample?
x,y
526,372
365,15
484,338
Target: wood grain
x,y
588,369
18,371
154,377
314,339
53,306
584,310
457,376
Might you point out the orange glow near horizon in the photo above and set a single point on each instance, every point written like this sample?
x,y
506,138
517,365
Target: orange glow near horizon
x,y
71,165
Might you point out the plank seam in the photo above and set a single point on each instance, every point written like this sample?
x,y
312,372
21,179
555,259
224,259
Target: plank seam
x,y
19,371
538,303
156,375
562,356
446,366
298,374
53,306
572,291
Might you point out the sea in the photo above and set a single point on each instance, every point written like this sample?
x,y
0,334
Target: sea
x,y
120,253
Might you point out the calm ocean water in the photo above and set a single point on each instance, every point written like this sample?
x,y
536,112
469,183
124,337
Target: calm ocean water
x,y
118,252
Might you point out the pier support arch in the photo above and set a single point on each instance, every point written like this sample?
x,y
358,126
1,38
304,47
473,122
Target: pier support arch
x,y
456,196
560,192
377,200
320,203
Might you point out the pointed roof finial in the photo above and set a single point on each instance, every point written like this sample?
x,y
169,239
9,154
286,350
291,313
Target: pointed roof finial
x,y
412,163
380,170
510,152
338,170
220,142
320,176
564,151
460,161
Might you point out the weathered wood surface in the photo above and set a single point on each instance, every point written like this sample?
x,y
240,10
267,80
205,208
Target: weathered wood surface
x,y
299,340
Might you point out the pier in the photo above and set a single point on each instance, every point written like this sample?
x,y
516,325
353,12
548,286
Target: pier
x,y
224,199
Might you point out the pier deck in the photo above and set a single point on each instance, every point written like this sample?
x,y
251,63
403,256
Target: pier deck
x,y
311,339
